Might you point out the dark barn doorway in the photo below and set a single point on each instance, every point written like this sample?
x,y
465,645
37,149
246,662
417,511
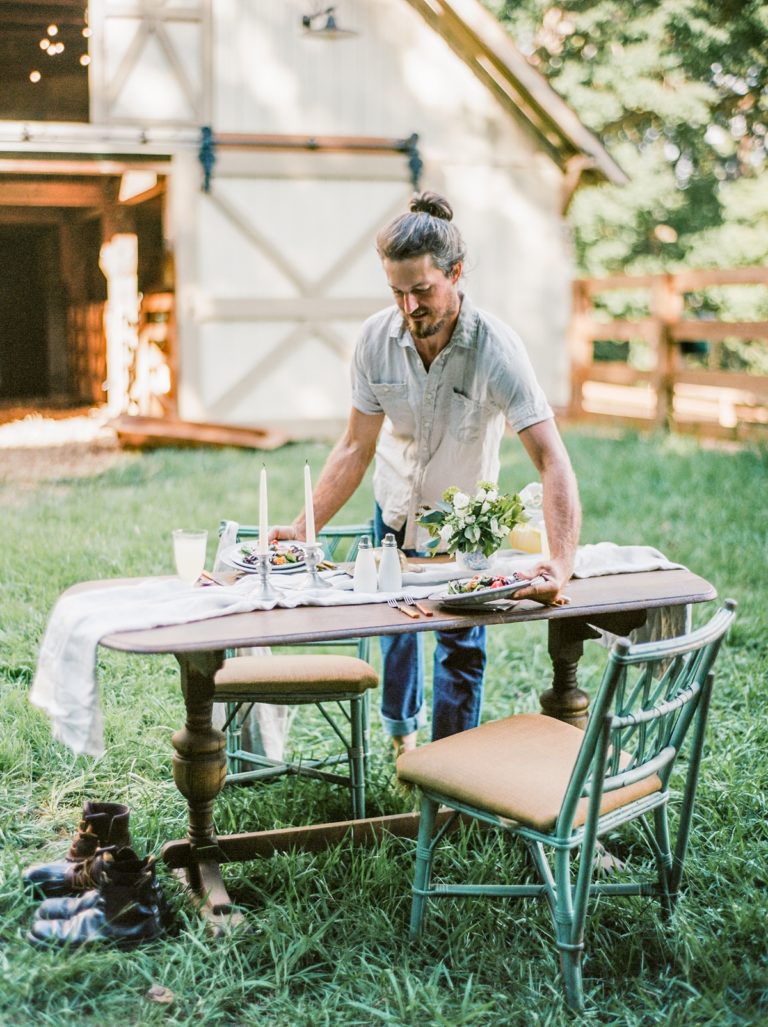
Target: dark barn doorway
x,y
53,288
25,308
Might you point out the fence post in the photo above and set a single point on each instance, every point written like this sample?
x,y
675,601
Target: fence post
x,y
579,345
666,307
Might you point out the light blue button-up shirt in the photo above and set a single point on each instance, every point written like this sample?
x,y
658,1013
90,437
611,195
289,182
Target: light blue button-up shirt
x,y
443,426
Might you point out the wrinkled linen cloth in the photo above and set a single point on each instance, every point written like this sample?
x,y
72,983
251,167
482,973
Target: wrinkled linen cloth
x,y
608,558
593,561
65,684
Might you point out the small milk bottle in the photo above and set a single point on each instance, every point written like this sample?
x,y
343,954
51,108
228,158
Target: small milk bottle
x,y
390,572
364,578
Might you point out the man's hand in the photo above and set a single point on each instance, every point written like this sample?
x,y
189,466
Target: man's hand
x,y
555,575
284,532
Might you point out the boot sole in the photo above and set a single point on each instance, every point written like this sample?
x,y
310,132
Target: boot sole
x,y
58,944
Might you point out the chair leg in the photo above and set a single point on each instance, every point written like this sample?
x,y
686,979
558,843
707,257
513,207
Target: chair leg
x,y
357,757
423,869
569,921
570,965
366,732
663,853
234,737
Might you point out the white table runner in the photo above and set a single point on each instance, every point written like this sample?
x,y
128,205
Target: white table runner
x,y
65,684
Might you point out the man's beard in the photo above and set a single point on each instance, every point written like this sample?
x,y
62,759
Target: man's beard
x,y
425,329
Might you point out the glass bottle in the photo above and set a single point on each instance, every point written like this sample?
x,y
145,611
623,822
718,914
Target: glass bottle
x,y
364,578
390,571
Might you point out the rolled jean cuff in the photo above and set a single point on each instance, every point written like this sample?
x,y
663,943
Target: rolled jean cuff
x,y
404,727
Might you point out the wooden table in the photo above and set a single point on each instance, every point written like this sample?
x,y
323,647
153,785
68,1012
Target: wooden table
x,y
616,603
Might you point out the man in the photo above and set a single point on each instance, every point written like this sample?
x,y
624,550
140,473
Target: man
x,y
433,382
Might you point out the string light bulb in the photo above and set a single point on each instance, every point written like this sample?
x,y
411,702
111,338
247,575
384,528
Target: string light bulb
x,y
53,49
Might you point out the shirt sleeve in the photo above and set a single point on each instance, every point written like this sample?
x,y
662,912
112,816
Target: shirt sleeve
x,y
513,385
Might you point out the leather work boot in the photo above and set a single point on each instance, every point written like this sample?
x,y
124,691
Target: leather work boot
x,y
103,824
124,911
65,907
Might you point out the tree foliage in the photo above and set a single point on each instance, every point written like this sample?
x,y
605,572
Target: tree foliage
x,y
678,92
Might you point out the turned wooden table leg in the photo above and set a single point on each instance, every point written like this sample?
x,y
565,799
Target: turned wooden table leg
x,y
565,700
199,770
199,763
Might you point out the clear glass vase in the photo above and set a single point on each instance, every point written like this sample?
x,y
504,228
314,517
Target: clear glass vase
x,y
474,561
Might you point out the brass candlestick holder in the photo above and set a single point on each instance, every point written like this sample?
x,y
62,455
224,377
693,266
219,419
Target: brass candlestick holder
x,y
313,555
265,589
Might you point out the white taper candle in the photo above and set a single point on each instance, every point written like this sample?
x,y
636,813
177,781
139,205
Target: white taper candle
x,y
263,514
309,509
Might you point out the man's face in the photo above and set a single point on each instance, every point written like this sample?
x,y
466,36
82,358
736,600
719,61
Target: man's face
x,y
428,299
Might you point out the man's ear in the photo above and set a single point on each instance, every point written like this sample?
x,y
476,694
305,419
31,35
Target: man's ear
x,y
456,272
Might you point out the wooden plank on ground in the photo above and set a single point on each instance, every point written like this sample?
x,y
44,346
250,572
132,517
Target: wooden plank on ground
x,y
138,432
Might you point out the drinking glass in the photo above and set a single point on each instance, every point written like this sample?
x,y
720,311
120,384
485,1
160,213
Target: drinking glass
x,y
189,553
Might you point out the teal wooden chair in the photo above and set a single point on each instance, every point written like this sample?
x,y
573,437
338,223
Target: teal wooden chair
x,y
337,685
559,789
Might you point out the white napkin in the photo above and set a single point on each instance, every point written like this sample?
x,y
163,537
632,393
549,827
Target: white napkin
x,y
592,561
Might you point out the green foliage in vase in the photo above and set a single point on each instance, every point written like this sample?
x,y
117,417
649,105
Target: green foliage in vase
x,y
469,524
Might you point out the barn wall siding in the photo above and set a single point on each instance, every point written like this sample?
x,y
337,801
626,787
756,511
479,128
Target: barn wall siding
x,y
275,266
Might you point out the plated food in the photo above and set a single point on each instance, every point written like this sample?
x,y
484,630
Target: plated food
x,y
283,556
480,590
483,581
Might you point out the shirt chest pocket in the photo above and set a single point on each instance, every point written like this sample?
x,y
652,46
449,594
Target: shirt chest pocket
x,y
394,401
468,418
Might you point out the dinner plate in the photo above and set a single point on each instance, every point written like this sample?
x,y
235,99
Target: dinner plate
x,y
481,597
234,556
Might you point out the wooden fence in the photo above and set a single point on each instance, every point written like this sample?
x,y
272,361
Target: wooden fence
x,y
674,365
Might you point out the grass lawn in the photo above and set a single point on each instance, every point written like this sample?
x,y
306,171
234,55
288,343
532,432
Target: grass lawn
x,y
326,937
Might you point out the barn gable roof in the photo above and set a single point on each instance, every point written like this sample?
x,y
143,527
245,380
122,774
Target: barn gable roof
x,y
479,39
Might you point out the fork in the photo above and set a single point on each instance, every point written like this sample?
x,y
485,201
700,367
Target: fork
x,y
410,601
403,609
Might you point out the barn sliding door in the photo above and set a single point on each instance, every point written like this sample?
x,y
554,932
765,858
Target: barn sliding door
x,y
277,268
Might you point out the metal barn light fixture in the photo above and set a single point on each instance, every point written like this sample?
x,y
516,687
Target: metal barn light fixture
x,y
323,25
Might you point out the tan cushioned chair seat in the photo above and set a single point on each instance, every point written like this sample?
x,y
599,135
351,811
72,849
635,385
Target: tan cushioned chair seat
x,y
517,768
305,673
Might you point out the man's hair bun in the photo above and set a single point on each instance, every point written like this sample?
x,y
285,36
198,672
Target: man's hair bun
x,y
426,228
432,203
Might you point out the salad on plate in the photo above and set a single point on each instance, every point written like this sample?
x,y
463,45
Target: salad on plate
x,y
283,556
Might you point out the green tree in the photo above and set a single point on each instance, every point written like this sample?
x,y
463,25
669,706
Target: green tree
x,y
678,91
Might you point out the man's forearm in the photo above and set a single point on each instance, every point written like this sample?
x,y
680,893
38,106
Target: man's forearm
x,y
562,511
343,471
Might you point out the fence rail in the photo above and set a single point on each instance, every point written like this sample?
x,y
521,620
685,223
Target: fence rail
x,y
670,369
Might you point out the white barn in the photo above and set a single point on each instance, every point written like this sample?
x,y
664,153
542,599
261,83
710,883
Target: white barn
x,y
210,174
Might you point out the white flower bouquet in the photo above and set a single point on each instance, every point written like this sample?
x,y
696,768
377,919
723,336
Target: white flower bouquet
x,y
468,524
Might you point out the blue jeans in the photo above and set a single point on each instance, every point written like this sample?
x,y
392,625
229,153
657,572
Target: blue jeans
x,y
457,683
